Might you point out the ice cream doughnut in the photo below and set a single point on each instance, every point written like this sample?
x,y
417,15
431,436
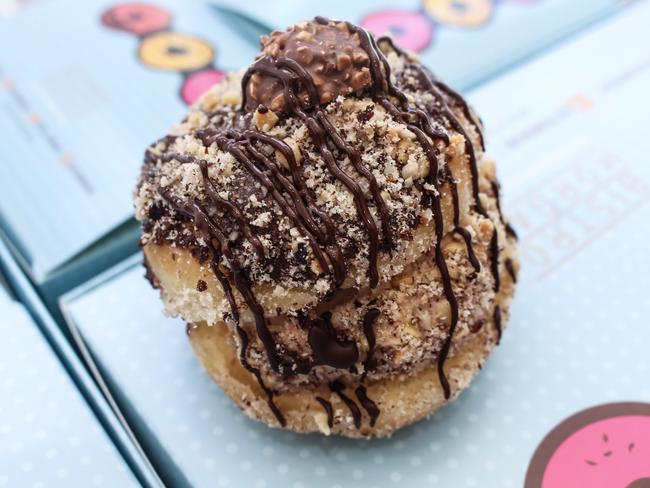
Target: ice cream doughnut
x,y
329,227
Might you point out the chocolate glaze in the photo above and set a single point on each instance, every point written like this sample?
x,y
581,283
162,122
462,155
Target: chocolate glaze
x,y
301,99
327,348
369,331
510,267
497,322
368,405
338,388
327,406
494,258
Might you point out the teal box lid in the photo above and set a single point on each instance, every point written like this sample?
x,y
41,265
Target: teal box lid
x,y
464,42
48,434
90,86
570,147
56,427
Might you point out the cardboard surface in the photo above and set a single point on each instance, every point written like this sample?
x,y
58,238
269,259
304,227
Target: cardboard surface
x,y
48,434
67,362
568,132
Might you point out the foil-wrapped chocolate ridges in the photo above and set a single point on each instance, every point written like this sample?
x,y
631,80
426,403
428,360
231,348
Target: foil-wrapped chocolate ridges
x,y
329,51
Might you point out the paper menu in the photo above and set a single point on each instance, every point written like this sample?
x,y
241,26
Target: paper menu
x,y
463,42
578,334
573,167
47,432
78,112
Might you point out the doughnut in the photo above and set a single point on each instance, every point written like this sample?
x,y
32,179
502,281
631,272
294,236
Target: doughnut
x,y
459,13
137,18
195,84
331,235
175,52
410,30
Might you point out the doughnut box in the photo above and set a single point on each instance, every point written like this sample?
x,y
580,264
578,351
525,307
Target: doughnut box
x,y
563,401
76,122
48,433
464,40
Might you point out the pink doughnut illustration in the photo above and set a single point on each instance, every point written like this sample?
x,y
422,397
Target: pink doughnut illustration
x,y
411,30
197,83
607,446
137,18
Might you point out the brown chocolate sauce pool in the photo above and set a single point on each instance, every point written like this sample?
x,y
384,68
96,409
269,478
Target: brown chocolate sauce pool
x,y
291,195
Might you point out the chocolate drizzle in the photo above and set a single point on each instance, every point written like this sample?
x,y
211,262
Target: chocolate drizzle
x,y
369,331
494,258
510,267
327,348
368,405
497,322
327,406
292,196
337,387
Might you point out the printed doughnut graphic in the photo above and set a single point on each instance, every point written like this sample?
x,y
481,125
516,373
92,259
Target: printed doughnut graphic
x,y
459,13
164,49
415,30
607,446
198,82
175,52
137,18
411,30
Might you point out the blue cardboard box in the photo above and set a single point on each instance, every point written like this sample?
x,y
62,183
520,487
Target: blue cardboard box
x,y
568,133
48,434
56,427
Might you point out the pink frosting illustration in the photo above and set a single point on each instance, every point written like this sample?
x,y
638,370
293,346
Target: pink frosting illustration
x,y
411,30
197,83
603,447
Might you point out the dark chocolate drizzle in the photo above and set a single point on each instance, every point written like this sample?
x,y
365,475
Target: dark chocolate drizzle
x,y
510,267
327,347
369,331
494,258
295,201
337,387
367,404
327,406
497,322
